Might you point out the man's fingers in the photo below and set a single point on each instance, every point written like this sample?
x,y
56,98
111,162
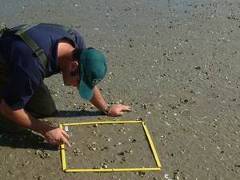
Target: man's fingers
x,y
120,113
126,108
65,141
65,138
65,134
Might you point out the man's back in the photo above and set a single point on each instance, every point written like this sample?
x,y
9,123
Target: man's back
x,y
25,72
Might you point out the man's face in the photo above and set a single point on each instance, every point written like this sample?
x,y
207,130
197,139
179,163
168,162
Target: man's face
x,y
71,74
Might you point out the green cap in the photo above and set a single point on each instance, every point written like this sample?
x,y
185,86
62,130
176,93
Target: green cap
x,y
93,68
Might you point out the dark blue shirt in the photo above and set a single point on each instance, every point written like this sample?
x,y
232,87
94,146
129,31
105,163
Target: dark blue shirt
x,y
25,72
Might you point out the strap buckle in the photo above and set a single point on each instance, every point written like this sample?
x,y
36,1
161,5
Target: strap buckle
x,y
38,52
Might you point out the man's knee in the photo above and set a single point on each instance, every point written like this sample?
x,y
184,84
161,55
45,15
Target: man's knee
x,y
42,113
42,103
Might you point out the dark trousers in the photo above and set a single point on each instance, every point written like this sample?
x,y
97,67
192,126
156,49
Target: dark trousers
x,y
41,103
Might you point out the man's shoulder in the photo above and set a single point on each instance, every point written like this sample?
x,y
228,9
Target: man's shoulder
x,y
23,60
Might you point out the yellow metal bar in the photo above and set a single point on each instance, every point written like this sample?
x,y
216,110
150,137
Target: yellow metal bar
x,y
152,145
63,154
100,122
113,170
153,149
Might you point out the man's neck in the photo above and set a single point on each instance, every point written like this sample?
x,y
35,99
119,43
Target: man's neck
x,y
64,52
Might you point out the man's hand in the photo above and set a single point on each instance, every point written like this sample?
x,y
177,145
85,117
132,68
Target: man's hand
x,y
53,135
114,110
118,110
57,136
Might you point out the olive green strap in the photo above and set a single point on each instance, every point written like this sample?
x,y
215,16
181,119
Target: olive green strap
x,y
39,52
3,28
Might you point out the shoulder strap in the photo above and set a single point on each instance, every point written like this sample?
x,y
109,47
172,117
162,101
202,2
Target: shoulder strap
x,y
39,52
3,29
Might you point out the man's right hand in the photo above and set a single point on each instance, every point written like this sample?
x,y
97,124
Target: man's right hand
x,y
57,136
53,135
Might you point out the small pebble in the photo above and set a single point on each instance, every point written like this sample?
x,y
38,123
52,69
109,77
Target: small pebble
x,y
197,67
95,125
121,153
104,165
141,173
66,128
119,143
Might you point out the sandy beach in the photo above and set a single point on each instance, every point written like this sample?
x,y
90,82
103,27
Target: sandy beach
x,y
175,62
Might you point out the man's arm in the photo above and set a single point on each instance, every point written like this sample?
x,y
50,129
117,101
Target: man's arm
x,y
53,135
113,110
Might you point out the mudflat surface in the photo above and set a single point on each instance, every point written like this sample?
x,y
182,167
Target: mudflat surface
x,y
99,146
175,62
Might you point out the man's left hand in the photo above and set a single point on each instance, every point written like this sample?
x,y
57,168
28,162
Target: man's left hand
x,y
118,110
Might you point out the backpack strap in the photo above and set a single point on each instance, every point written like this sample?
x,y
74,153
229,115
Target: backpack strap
x,y
21,31
39,52
3,29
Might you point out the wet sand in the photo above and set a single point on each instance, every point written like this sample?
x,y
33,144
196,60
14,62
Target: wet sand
x,y
175,62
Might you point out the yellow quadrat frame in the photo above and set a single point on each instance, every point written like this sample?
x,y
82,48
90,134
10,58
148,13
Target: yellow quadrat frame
x,y
147,133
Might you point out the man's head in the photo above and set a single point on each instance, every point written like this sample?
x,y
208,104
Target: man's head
x,y
82,68
92,68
